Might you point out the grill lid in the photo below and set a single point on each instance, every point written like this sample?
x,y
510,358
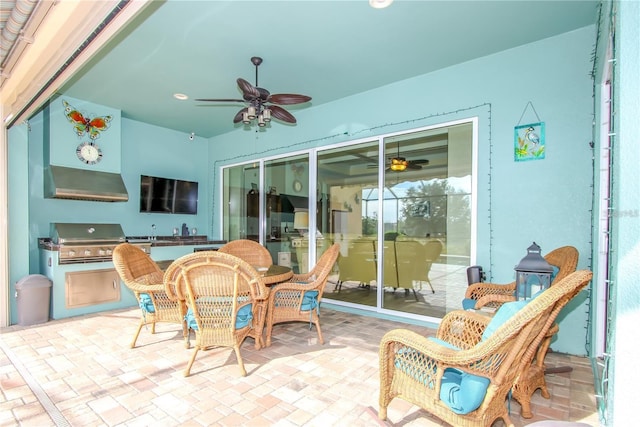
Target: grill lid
x,y
86,233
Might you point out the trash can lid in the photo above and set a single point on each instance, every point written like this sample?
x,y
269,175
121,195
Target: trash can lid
x,y
33,281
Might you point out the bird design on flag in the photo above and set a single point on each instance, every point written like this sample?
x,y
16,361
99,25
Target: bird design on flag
x,y
532,137
529,144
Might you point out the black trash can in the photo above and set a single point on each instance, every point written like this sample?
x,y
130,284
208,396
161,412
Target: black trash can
x,y
33,296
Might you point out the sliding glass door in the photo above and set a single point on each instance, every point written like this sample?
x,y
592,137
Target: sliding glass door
x,y
427,220
400,206
345,175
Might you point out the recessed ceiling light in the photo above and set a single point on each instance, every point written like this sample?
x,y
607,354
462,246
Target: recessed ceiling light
x,y
180,96
380,4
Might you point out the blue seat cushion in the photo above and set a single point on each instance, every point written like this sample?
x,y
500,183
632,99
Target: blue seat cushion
x,y
469,304
309,300
459,390
462,392
243,318
504,313
145,303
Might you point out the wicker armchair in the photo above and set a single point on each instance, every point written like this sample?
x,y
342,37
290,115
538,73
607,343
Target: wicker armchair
x,y
299,299
250,251
258,257
418,369
494,295
221,291
143,276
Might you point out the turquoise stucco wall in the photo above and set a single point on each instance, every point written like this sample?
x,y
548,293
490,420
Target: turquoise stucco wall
x,y
18,209
547,201
625,240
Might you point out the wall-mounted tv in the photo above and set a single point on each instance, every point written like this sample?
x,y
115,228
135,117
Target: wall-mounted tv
x,y
166,195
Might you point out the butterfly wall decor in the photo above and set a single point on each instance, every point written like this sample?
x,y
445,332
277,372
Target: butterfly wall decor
x,y
82,124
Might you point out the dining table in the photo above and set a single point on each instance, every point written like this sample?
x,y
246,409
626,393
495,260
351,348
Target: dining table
x,y
271,276
275,274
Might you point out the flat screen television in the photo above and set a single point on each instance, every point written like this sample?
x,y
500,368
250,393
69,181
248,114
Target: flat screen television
x,y
166,195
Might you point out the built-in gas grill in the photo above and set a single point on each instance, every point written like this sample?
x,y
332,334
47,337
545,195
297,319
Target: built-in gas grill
x,y
81,243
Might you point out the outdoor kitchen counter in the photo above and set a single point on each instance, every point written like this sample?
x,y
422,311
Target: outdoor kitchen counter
x,y
47,243
176,240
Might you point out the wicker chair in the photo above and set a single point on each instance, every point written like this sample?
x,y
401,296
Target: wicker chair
x,y
220,291
532,378
250,251
412,367
143,276
258,257
299,299
494,295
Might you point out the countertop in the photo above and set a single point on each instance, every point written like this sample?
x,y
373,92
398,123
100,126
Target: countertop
x,y
158,241
175,240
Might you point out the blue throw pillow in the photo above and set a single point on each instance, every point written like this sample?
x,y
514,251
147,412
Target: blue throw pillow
x,y
145,303
243,318
504,313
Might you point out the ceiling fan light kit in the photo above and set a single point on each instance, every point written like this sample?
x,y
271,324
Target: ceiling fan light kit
x,y
398,164
262,105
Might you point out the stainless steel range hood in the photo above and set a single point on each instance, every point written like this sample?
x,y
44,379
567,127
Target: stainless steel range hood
x,y
82,184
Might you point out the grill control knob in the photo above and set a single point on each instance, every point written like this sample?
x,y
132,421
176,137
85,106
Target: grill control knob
x,y
72,253
102,252
87,252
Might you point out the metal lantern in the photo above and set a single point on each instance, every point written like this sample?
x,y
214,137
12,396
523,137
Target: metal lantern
x,y
533,273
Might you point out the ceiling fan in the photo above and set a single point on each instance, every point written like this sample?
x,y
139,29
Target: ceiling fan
x,y
400,164
261,104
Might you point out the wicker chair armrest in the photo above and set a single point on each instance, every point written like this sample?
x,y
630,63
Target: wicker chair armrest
x,y
147,289
415,341
494,300
172,292
303,277
478,290
439,356
462,328
292,286
259,291
151,282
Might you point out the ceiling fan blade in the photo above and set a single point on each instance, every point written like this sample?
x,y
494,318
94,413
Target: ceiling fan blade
x,y
219,100
281,114
420,161
413,166
264,94
238,117
249,91
288,98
